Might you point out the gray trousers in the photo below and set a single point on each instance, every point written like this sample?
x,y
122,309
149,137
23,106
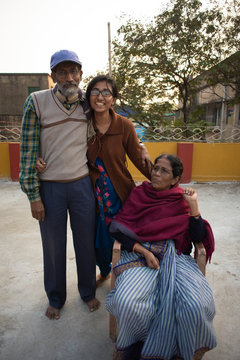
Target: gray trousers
x,y
76,199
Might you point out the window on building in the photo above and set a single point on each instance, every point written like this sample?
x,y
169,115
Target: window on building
x,y
216,115
230,113
32,89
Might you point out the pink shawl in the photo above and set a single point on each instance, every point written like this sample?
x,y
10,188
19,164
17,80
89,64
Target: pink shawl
x,y
149,215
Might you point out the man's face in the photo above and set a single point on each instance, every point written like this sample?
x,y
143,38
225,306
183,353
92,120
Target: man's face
x,y
67,75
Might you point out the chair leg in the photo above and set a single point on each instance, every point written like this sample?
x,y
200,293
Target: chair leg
x,y
112,321
112,328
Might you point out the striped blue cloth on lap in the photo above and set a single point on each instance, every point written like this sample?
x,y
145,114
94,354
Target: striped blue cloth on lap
x,y
169,311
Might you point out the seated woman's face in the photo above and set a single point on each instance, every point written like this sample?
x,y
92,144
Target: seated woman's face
x,y
162,176
101,98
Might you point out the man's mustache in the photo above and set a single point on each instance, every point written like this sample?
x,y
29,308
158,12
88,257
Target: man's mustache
x,y
67,83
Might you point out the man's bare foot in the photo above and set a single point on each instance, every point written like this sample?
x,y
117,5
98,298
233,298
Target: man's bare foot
x,y
52,313
93,304
101,279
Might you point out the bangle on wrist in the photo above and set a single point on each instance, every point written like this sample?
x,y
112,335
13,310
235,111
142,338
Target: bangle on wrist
x,y
196,215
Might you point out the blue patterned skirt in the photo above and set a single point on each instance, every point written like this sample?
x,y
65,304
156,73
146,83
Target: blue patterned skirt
x,y
162,314
108,205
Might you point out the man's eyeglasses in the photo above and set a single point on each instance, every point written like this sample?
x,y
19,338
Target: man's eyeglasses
x,y
63,73
105,92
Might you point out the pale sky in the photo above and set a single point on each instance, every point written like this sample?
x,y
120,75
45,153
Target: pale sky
x,y
32,30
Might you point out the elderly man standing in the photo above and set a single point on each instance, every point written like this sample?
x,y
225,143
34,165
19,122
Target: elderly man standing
x,y
55,126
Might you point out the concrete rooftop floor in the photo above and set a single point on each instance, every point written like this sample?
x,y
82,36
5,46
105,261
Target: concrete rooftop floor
x,y
25,332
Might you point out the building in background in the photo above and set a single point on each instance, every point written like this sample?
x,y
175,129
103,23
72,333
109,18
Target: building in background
x,y
219,93
14,89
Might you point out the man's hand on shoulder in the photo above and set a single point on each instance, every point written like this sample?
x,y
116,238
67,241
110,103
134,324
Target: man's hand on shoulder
x,y
37,209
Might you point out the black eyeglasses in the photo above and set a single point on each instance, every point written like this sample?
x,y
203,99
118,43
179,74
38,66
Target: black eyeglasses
x,y
105,92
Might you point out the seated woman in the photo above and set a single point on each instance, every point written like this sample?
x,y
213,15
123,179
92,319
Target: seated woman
x,y
162,302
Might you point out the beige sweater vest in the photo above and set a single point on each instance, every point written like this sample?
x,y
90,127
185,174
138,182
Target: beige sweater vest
x,y
63,138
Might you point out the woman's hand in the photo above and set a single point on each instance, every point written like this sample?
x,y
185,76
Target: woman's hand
x,y
190,196
152,261
40,165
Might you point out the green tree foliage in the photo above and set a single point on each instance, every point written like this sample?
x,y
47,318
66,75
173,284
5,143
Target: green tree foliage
x,y
231,29
227,72
154,63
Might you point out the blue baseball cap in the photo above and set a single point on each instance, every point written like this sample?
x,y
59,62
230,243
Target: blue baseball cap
x,y
64,55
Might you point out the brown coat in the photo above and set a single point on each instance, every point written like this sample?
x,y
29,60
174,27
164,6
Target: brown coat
x,y
119,140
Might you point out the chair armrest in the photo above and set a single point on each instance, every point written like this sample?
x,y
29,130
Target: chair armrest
x,y
116,253
116,256
201,256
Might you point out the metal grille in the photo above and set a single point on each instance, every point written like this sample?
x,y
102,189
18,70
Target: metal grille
x,y
208,134
190,133
9,134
